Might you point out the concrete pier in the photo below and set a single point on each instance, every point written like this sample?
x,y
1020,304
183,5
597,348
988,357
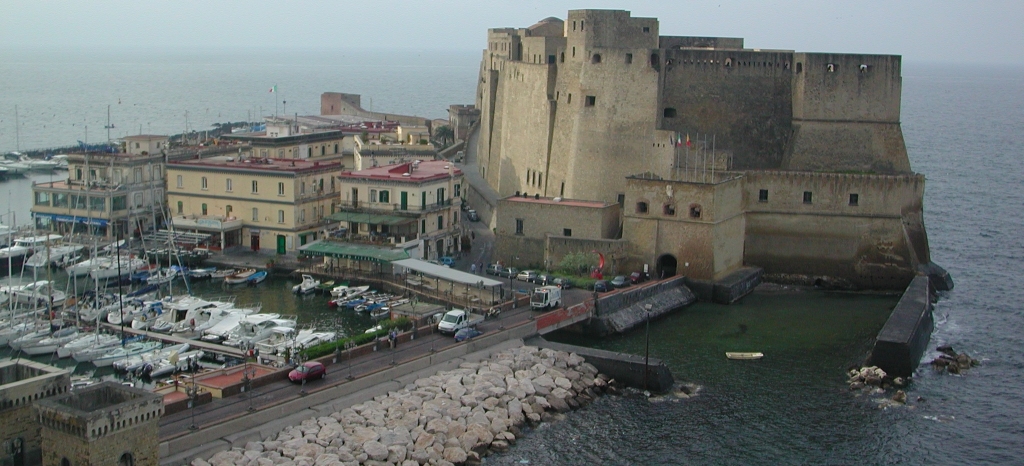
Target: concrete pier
x,y
625,368
904,338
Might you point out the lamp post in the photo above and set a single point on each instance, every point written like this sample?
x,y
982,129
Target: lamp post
x,y
647,351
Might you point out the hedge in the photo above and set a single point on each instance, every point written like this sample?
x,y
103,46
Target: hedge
x,y
323,349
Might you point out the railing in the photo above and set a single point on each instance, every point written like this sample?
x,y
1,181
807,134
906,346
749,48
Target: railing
x,y
563,317
363,206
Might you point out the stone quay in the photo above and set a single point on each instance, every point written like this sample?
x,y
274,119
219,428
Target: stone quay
x,y
453,417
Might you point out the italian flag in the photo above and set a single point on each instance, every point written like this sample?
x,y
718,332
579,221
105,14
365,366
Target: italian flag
x,y
273,89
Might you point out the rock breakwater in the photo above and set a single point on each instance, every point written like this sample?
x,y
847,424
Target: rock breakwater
x,y
451,418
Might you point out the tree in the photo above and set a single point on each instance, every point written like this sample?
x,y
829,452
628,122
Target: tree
x,y
444,135
578,263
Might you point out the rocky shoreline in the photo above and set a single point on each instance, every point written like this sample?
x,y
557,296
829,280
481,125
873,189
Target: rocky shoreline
x,y
454,417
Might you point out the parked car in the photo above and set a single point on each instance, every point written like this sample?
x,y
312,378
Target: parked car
x,y
565,283
493,269
508,272
544,279
526,276
620,281
437,262
472,216
448,261
638,277
602,286
308,371
467,333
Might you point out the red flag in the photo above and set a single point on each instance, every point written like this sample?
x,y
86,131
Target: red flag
x,y
688,143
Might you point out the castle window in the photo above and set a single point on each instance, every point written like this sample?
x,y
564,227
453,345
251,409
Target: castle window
x,y
863,68
203,183
854,199
629,58
181,207
574,52
762,196
569,100
799,67
669,210
641,207
656,61
647,29
566,231
126,460
595,58
581,25
540,179
807,197
670,112
551,59
519,226
695,210
561,57
621,199
574,25
728,62
561,192
831,67
591,100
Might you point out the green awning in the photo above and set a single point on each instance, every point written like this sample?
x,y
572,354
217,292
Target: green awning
x,y
359,252
371,218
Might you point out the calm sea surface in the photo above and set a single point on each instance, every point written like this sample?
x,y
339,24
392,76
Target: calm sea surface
x,y
964,128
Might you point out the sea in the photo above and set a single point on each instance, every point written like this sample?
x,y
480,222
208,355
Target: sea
x,y
964,129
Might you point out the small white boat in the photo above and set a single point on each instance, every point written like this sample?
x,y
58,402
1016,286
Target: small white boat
x,y
162,276
55,255
239,277
174,362
134,362
15,168
84,342
222,273
50,344
123,352
41,293
83,267
347,292
737,355
124,267
307,286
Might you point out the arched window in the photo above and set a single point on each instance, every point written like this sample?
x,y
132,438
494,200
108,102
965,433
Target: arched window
x,y
695,210
641,207
126,460
670,210
595,58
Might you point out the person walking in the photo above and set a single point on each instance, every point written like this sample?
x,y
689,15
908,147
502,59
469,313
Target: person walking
x,y
472,268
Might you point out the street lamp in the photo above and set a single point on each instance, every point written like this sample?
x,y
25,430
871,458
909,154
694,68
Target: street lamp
x,y
647,351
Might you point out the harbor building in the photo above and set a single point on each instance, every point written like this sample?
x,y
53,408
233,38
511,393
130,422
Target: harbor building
x,y
721,157
255,203
414,202
106,194
105,423
24,383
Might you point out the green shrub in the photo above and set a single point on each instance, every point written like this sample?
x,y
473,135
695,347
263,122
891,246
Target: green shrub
x,y
323,349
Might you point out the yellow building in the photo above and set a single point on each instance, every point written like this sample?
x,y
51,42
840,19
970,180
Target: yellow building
x,y
253,202
107,195
402,203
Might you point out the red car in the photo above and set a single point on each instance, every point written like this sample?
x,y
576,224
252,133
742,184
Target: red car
x,y
308,371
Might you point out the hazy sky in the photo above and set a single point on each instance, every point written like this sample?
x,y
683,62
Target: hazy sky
x,y
920,30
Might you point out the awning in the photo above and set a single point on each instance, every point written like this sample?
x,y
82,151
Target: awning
x,y
446,273
371,218
73,219
359,252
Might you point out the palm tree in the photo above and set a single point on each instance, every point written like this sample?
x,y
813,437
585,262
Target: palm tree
x,y
444,135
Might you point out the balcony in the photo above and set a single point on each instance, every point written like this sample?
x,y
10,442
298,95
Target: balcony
x,y
206,223
361,206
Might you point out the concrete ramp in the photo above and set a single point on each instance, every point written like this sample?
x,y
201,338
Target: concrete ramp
x,y
904,338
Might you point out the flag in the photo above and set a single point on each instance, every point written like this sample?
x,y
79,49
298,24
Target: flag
x,y
273,89
688,143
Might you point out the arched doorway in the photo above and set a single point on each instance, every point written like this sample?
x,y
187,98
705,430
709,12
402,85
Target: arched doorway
x,y
666,266
126,460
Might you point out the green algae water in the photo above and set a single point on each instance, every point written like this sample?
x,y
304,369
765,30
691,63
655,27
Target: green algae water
x,y
792,404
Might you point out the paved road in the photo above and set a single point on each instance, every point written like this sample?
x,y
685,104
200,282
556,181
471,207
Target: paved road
x,y
220,410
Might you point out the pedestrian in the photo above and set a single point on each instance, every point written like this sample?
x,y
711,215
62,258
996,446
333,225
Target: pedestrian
x,y
394,338
472,268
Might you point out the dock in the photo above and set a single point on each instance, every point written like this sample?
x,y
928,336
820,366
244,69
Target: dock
x,y
203,345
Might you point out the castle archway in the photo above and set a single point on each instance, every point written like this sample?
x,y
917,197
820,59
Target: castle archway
x,y
666,266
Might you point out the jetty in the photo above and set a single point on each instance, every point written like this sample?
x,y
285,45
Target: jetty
x,y
197,344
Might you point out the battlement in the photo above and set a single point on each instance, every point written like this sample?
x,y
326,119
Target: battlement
x,y
687,42
99,410
23,382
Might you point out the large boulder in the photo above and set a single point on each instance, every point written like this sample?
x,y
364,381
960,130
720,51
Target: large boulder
x,y
376,450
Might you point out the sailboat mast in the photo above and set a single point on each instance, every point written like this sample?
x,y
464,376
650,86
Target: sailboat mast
x,y
120,298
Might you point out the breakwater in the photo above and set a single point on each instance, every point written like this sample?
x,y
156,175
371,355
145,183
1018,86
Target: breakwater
x,y
905,336
455,416
625,309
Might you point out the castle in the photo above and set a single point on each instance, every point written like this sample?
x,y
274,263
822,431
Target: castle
x,y
718,156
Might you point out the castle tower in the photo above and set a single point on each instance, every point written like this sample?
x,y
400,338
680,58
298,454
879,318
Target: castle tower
x,y
22,384
103,424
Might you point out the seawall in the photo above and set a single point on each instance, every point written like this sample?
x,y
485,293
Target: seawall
x,y
625,368
625,309
904,337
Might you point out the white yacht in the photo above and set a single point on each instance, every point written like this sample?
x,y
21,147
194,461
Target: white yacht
x,y
84,267
123,352
228,326
41,293
132,363
56,255
252,330
90,341
307,286
50,344
122,267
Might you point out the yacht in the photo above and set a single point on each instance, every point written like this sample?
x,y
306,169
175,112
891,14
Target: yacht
x,y
256,328
41,293
84,342
228,326
50,344
56,255
84,267
124,352
308,285
122,267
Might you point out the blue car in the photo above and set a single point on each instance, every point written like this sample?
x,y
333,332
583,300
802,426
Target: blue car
x,y
448,260
467,333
